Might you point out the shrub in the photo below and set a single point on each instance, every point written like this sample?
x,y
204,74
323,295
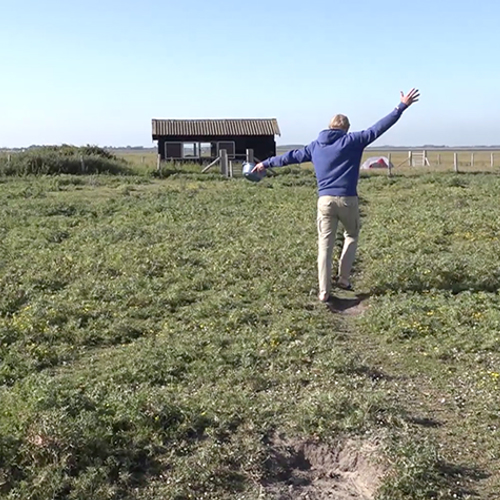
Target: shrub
x,y
65,159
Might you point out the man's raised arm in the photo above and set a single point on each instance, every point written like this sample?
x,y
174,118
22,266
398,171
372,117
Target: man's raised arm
x,y
368,136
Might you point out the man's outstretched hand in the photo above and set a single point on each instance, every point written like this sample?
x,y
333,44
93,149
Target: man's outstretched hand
x,y
411,97
259,168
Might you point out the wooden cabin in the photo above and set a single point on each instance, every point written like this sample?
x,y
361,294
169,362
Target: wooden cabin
x,y
201,140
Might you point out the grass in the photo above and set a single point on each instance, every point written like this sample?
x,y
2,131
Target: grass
x,y
431,259
155,334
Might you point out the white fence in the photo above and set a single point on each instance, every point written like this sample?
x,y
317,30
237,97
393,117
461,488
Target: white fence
x,y
445,159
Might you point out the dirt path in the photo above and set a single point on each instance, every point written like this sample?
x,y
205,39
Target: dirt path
x,y
304,470
348,304
310,471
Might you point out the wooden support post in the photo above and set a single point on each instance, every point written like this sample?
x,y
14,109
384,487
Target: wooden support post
x,y
455,162
82,163
492,160
224,165
158,162
250,158
230,169
424,159
389,173
439,159
472,160
410,158
208,167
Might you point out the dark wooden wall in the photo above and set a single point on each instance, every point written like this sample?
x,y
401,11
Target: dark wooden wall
x,y
264,146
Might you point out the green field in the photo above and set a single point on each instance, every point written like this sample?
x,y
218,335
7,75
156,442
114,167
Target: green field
x,y
161,339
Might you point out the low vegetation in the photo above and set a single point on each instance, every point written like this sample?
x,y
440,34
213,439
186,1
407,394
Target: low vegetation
x,y
51,160
159,337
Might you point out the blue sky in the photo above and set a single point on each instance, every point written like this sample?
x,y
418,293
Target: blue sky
x,y
88,71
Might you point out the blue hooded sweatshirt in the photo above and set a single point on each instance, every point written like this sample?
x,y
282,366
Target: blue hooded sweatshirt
x,y
336,155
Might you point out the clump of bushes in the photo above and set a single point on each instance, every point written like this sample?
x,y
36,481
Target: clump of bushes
x,y
65,159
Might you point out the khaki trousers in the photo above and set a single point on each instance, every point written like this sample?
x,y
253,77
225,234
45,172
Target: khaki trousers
x,y
331,210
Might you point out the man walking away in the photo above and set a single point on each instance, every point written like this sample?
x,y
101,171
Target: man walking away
x,y
336,155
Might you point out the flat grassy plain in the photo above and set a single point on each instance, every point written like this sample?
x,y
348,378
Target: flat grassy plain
x,y
161,338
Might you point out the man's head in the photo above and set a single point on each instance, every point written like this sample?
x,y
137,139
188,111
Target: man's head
x,y
340,122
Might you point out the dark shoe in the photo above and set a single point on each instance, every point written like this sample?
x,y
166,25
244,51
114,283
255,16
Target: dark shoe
x,y
347,287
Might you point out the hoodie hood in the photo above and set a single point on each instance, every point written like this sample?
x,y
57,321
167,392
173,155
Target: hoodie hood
x,y
330,136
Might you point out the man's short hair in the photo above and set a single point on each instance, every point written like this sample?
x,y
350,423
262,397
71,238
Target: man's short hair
x,y
341,122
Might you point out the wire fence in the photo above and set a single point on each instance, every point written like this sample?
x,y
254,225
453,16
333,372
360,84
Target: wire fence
x,y
457,160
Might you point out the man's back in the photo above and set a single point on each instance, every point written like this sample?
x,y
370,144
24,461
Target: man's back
x,y
336,156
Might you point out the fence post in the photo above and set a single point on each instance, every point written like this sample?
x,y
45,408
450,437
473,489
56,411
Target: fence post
x,y
82,163
389,173
492,160
250,157
224,162
158,162
472,159
455,162
410,158
439,159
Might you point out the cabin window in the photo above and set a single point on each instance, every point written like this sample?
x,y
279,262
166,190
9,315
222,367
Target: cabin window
x,y
205,150
173,150
229,146
190,150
